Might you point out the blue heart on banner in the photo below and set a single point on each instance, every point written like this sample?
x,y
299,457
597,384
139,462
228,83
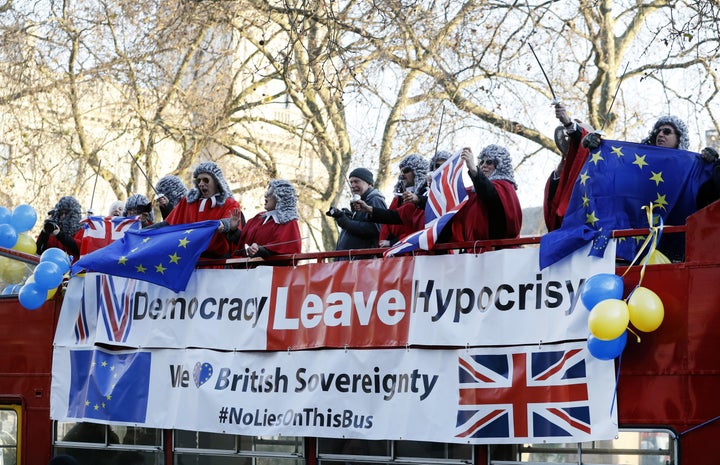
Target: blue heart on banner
x,y
202,373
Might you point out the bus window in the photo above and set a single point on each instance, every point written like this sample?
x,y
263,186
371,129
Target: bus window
x,y
96,444
9,434
632,446
356,451
201,448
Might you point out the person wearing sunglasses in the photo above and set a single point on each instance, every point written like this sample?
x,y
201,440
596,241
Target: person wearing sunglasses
x,y
669,131
492,210
209,199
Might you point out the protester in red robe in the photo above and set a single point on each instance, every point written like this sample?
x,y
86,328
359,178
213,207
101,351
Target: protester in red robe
x,y
210,199
62,229
274,231
492,210
559,185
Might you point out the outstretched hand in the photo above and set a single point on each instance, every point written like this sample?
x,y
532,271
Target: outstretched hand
x,y
469,159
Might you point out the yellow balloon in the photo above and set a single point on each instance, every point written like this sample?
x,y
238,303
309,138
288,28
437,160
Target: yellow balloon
x,y
658,258
51,293
12,271
646,309
608,319
26,244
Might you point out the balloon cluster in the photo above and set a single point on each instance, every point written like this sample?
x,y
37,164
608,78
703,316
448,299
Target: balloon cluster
x,y
46,278
12,224
610,314
13,235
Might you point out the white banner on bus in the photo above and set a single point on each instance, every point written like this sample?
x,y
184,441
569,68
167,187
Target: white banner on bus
x,y
553,392
494,298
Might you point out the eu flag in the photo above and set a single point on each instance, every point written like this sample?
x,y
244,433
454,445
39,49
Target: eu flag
x,y
109,386
618,179
163,256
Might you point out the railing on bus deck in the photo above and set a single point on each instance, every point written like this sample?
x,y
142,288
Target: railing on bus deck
x,y
458,247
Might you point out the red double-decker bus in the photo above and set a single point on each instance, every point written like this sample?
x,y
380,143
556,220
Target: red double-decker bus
x,y
667,391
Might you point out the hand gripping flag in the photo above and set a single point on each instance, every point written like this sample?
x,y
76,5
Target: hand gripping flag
x,y
101,231
164,256
446,195
617,180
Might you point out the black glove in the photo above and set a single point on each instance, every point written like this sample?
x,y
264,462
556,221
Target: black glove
x,y
334,212
592,141
709,154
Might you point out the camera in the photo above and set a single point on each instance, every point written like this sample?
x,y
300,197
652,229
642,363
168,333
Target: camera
x,y
50,226
332,212
147,208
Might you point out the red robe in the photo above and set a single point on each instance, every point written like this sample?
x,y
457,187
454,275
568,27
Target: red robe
x,y
53,241
556,203
274,237
471,222
413,219
190,213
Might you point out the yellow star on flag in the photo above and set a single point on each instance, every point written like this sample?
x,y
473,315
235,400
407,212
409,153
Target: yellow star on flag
x,y
591,218
146,239
585,200
596,157
160,269
660,201
183,242
657,177
584,177
640,160
140,269
175,258
618,151
122,260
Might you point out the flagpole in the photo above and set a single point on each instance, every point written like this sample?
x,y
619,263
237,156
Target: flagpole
x,y
92,197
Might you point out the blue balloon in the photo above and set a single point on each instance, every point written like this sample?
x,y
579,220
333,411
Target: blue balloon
x,y
57,256
23,218
8,289
607,350
8,236
48,275
600,287
31,296
5,215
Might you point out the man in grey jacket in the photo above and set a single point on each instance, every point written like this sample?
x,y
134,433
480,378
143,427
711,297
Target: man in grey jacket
x,y
358,231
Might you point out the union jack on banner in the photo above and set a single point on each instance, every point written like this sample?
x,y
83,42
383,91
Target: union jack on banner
x,y
81,323
446,195
101,231
115,306
529,395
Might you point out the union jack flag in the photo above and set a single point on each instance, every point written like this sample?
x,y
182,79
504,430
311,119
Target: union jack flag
x,y
445,197
528,395
115,306
101,231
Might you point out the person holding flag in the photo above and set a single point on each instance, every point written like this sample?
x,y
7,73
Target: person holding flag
x,y
492,210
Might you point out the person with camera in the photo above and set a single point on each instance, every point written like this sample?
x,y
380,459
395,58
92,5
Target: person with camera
x,y
405,215
358,230
62,229
139,205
